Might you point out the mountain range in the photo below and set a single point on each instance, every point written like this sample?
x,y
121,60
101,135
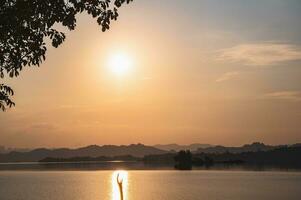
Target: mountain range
x,y
178,147
254,147
135,150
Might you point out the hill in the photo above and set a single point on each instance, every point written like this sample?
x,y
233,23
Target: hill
x,y
254,147
177,147
136,150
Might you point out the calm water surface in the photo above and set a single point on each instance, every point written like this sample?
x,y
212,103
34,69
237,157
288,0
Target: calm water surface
x,y
149,185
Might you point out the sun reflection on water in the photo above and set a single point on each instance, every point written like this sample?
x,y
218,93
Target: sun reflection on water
x,y
122,176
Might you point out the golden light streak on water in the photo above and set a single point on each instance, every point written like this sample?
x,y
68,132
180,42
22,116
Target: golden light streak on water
x,y
123,176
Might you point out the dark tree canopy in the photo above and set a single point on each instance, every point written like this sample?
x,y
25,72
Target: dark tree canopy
x,y
183,160
25,24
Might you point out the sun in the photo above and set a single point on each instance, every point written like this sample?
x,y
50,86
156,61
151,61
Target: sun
x,y
120,64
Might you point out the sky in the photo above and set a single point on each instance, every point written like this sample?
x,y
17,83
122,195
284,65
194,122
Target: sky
x,y
197,71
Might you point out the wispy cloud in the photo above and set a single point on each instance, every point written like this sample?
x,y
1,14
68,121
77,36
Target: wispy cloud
x,y
284,95
260,54
227,76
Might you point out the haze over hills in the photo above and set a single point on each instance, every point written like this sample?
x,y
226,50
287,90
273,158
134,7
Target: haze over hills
x,y
4,149
254,147
208,148
177,147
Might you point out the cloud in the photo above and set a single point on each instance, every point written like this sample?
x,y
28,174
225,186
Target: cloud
x,y
227,76
260,54
284,95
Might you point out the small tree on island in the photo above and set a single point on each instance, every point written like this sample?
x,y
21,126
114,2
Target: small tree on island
x,y
25,24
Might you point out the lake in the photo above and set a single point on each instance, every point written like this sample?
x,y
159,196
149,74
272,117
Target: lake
x,y
150,185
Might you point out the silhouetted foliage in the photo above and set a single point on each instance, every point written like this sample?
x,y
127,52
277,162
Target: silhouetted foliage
x,y
25,24
183,160
5,93
208,161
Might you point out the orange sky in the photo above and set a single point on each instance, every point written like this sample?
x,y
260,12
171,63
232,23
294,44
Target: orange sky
x,y
200,72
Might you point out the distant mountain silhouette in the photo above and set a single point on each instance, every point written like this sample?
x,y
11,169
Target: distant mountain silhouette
x,y
159,153
136,150
254,147
296,145
177,147
3,149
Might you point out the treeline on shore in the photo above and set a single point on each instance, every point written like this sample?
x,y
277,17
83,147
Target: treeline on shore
x,y
284,156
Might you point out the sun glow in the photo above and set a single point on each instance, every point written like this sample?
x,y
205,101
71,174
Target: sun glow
x,y
120,64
